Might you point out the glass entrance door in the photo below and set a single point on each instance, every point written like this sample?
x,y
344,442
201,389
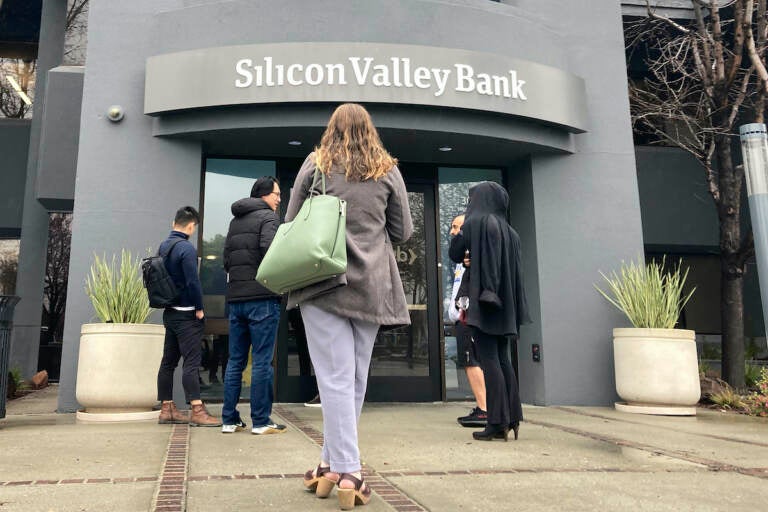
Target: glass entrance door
x,y
406,361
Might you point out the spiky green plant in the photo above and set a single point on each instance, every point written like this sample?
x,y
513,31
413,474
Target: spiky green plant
x,y
646,294
117,291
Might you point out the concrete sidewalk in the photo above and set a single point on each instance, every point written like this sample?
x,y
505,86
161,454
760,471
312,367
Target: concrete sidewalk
x,y
416,457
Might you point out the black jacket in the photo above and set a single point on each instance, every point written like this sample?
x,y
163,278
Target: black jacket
x,y
497,303
181,264
250,234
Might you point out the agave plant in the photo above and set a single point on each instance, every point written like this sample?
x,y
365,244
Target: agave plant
x,y
647,295
117,291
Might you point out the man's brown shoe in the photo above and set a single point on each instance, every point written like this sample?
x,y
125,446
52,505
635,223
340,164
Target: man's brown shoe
x,y
201,418
170,414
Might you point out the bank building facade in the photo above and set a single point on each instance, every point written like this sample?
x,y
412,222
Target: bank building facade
x,y
186,102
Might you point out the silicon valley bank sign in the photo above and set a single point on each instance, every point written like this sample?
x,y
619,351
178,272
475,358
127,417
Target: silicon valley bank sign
x,y
398,72
365,73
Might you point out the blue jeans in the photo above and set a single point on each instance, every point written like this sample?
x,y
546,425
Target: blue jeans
x,y
252,324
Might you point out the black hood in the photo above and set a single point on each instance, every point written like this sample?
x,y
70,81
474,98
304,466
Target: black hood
x,y
247,205
487,198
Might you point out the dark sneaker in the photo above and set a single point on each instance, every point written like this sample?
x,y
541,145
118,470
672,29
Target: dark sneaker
x,y
476,418
231,429
315,402
269,428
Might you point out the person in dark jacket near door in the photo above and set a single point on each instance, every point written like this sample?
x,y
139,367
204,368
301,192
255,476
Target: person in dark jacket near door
x,y
184,325
497,303
254,311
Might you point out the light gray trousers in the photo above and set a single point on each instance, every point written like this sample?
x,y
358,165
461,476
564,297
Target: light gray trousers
x,y
340,349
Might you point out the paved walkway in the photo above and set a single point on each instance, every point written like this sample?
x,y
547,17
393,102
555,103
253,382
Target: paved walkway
x,y
416,458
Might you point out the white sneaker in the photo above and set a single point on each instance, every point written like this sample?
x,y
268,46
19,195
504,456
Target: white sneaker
x,y
269,428
231,429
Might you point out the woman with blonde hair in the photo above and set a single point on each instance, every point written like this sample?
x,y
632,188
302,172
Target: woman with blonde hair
x,y
342,318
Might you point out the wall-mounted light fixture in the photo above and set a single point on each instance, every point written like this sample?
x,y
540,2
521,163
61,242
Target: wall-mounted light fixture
x,y
115,113
294,143
445,149
17,88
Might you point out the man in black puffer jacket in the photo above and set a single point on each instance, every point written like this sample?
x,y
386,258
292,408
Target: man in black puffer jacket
x,y
254,311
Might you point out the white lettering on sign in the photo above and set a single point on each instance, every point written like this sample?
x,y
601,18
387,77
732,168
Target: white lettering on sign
x,y
394,72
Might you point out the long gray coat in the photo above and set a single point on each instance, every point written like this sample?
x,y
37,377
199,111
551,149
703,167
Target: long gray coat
x,y
377,216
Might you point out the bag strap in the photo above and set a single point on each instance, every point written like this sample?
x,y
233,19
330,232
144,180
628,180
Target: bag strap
x,y
169,250
314,181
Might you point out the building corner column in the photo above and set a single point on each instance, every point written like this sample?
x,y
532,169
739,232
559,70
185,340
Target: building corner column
x,y
25,342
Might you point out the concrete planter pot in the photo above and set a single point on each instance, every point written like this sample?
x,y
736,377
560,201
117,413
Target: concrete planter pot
x,y
656,371
117,371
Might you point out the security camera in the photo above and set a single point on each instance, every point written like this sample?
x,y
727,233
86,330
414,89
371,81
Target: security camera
x,y
115,113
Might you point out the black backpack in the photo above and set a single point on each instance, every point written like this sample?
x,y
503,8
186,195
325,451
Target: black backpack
x,y
159,284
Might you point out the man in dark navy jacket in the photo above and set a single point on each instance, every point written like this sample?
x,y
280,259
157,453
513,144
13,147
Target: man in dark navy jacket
x,y
184,323
254,311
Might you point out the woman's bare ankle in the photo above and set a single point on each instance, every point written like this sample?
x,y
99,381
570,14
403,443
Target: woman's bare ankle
x,y
330,475
349,484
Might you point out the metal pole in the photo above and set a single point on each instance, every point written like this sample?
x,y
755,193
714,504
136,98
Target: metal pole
x,y
754,152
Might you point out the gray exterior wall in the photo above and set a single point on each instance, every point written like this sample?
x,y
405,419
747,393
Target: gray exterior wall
x,y
129,183
59,138
586,210
581,211
14,145
533,385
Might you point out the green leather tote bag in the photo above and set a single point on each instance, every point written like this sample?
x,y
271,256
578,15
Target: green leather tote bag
x,y
311,248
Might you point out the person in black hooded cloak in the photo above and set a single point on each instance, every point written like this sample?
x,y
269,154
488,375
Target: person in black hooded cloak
x,y
497,303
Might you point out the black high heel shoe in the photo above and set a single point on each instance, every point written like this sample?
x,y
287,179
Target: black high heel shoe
x,y
515,428
492,432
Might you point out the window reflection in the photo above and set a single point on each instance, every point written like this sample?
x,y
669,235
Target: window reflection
x,y
405,351
9,265
17,87
76,33
226,181
453,190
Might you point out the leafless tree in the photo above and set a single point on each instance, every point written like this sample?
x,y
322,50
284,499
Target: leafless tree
x,y
705,76
8,269
75,38
57,272
22,70
23,73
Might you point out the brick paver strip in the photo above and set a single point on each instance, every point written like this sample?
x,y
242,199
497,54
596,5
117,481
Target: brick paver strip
x,y
171,490
712,465
387,491
624,420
